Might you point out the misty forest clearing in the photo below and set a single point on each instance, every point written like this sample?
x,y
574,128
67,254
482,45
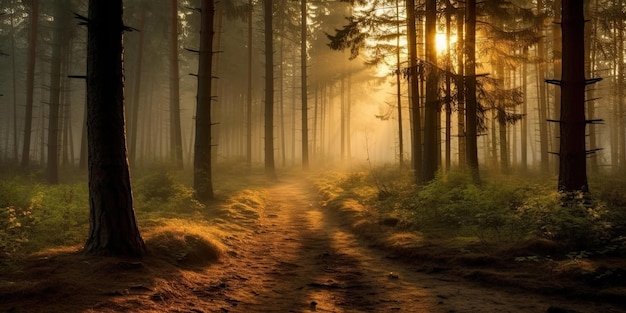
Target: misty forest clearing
x,y
289,251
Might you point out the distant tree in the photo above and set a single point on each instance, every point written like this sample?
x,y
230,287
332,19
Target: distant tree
x,y
60,44
113,228
202,168
432,106
269,89
304,94
413,77
471,115
30,81
176,139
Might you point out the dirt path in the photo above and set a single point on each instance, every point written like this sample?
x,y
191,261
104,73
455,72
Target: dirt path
x,y
295,257
302,260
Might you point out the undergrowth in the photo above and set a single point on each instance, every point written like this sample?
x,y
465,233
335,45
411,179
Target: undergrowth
x,y
499,210
35,216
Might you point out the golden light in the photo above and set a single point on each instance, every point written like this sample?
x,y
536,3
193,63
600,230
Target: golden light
x,y
442,42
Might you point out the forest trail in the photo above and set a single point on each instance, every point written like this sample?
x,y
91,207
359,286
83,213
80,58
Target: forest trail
x,y
302,260
296,256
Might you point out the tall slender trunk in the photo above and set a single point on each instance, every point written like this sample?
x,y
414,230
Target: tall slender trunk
x,y
14,73
431,110
134,116
30,82
460,85
303,72
413,82
399,89
270,169
176,136
58,50
590,59
470,80
543,102
249,91
524,121
203,181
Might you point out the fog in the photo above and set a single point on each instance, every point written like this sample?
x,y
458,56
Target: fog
x,y
352,94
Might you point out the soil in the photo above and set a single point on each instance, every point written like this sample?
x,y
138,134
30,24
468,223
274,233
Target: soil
x,y
299,256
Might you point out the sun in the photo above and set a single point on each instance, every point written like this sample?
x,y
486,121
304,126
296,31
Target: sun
x,y
441,42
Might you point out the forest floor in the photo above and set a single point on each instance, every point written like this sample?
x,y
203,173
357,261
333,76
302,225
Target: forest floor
x,y
295,255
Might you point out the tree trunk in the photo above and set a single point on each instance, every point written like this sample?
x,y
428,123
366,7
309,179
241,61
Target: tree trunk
x,y
470,81
413,82
134,116
431,116
30,82
113,228
59,43
176,137
303,72
460,85
270,170
14,72
249,97
399,89
543,102
202,174
590,59
572,154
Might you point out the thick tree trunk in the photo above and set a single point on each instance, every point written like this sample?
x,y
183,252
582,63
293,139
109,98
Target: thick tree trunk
x,y
30,82
572,154
270,170
470,87
176,137
113,229
202,176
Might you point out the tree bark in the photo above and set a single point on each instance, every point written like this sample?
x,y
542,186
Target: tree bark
x,y
134,116
270,170
176,137
303,72
431,110
30,82
203,182
413,82
113,229
249,97
470,87
572,153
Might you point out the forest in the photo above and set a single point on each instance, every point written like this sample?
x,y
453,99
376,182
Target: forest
x,y
312,155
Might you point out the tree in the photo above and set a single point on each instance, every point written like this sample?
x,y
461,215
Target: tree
x,y
30,81
572,152
470,89
269,90
432,107
202,167
414,90
113,228
176,138
303,64
60,43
